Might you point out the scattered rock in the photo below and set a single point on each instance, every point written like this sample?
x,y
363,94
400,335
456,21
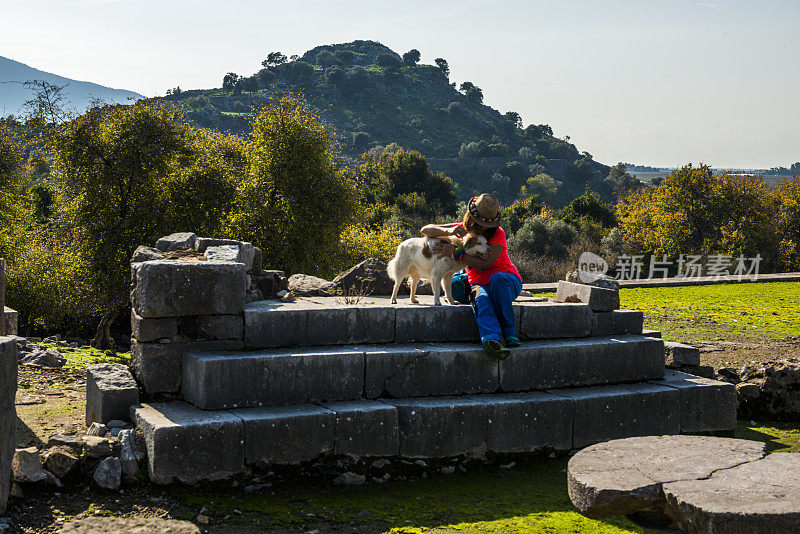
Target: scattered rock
x,y
679,354
61,461
380,464
27,467
369,277
305,285
778,395
97,447
728,374
598,280
223,253
129,455
117,423
108,473
129,525
350,478
144,253
598,298
747,390
73,442
97,429
177,241
40,356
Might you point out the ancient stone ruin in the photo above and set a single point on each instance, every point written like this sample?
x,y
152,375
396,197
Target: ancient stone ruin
x,y
232,381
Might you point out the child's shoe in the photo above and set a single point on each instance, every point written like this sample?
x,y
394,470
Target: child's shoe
x,y
495,349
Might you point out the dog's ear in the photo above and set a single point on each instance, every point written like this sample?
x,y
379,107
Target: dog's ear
x,y
470,241
426,250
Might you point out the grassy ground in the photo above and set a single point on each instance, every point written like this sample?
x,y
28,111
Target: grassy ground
x,y
742,312
757,320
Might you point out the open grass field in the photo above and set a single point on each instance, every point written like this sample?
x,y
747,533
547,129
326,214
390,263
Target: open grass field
x,y
750,311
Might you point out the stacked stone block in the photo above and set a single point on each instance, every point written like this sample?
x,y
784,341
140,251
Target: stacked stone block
x,y
272,382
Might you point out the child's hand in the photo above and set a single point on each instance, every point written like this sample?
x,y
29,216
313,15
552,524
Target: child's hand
x,y
457,231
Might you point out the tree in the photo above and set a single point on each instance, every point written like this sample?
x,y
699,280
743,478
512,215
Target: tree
x,y
590,205
130,175
48,105
294,201
619,182
514,118
345,57
695,212
542,186
443,66
274,59
787,195
229,82
300,72
388,61
266,78
326,58
472,92
411,57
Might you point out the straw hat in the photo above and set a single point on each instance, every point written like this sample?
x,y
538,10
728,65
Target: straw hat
x,y
485,210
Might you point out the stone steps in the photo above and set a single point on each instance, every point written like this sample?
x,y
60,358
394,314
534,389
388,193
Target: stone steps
x,y
224,379
188,444
331,321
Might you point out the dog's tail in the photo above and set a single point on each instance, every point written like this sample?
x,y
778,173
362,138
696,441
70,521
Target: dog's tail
x,y
394,267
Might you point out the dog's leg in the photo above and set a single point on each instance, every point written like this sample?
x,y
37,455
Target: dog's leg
x,y
396,289
447,285
436,284
414,282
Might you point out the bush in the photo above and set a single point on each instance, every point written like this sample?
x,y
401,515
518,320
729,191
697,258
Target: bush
x,y
541,235
293,204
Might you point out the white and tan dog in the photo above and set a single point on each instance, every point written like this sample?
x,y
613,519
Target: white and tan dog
x,y
415,259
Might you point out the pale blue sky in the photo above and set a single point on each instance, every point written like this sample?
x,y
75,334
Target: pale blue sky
x,y
655,82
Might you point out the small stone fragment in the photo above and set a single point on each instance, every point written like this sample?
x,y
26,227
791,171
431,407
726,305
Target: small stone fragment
x,y
97,429
26,466
97,447
61,461
349,478
108,473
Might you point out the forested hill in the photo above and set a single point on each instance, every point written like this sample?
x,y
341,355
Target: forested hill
x,y
374,97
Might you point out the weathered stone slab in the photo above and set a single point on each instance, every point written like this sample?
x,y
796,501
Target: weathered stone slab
x,y
628,321
441,426
3,331
365,428
306,323
143,253
651,333
159,366
176,241
681,354
604,413
287,434
110,392
761,496
435,323
8,415
129,525
580,362
189,444
625,476
217,380
11,321
202,243
145,330
171,288
706,405
223,253
419,370
526,422
548,320
212,327
598,298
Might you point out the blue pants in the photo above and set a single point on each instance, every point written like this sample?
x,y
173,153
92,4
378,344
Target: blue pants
x,y
492,306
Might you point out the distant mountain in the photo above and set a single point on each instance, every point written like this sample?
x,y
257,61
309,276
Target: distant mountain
x,y
372,97
13,93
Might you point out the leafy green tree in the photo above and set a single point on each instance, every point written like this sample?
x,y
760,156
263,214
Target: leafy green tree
x,y
230,82
266,78
540,235
294,201
132,174
345,57
590,205
411,57
326,58
389,61
514,118
619,182
274,59
443,66
515,214
300,72
542,186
